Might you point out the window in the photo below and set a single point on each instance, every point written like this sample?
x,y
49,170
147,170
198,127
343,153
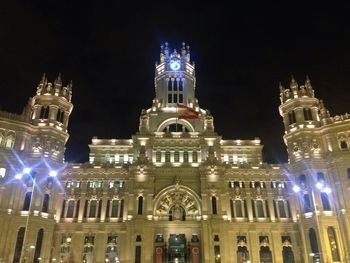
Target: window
x,y
333,243
194,156
186,157
213,205
138,254
238,208
73,184
343,145
313,241
348,172
260,208
217,254
19,244
116,184
115,207
44,112
320,177
38,245
291,117
175,91
158,156
281,209
2,172
167,156
140,205
307,203
95,184
10,142
176,156
325,202
27,199
307,114
60,115
46,203
287,252
93,208
70,208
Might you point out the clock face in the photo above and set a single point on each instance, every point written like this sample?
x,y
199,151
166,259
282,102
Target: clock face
x,y
174,65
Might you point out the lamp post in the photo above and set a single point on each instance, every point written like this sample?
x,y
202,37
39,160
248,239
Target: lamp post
x,y
32,176
317,256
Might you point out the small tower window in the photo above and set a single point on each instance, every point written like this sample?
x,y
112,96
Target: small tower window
x,y
291,117
214,205
169,85
44,112
140,205
325,202
186,157
343,145
307,114
158,156
167,156
60,116
194,156
45,207
181,85
175,84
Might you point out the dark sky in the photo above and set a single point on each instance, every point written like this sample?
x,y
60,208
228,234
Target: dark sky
x,y
241,52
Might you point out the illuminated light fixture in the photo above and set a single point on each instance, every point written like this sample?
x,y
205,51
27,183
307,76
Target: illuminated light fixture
x,y
319,185
18,176
327,190
296,188
68,239
32,246
27,170
53,173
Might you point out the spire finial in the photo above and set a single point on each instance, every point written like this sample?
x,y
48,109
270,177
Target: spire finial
x,y
293,84
43,79
58,81
307,81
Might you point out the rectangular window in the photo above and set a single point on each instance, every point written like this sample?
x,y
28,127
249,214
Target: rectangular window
x,y
176,156
238,208
93,208
260,208
73,184
175,98
217,254
170,98
181,98
138,254
95,184
116,184
186,157
281,209
167,156
194,156
158,156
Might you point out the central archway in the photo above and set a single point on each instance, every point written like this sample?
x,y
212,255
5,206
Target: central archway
x,y
177,202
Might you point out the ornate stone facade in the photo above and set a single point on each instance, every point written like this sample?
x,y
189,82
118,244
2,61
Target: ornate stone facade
x,y
175,191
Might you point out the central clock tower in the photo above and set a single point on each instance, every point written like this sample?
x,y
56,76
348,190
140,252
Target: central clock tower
x,y
175,78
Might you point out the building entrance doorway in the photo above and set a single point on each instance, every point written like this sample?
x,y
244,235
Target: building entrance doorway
x,y
177,250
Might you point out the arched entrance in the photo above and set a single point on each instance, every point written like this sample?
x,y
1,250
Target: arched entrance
x,y
177,250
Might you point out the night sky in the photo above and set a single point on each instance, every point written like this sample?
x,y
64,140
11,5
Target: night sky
x,y
241,52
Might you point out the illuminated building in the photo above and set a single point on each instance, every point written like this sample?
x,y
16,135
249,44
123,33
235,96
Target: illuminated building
x,y
175,191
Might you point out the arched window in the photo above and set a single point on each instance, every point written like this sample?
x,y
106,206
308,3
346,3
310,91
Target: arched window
x,y
70,208
170,88
175,84
307,114
325,202
27,199
333,243
181,85
307,203
140,205
45,207
287,252
320,177
10,141
343,145
313,241
19,244
265,254
302,180
213,205
38,245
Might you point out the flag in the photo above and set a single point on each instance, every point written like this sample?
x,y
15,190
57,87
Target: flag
x,y
184,112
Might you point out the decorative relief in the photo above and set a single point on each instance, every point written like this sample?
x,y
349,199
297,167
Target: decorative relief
x,y
94,193
258,192
116,193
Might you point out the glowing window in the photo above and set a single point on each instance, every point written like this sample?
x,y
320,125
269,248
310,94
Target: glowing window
x,y
2,172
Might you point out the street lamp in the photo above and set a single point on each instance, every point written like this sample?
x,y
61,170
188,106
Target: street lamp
x,y
32,176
